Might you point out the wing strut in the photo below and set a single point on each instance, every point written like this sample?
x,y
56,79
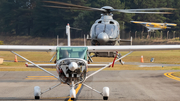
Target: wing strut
x,y
93,89
107,65
35,65
51,88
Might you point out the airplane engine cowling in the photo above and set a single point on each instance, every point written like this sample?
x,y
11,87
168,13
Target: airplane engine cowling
x,y
72,69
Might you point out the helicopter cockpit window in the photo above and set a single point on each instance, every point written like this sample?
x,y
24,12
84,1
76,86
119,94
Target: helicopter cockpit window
x,y
109,29
99,28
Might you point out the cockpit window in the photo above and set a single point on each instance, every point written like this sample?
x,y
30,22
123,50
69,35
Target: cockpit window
x,y
71,52
99,28
109,29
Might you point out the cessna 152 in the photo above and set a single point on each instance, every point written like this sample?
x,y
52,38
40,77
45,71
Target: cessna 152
x,y
106,30
152,26
71,63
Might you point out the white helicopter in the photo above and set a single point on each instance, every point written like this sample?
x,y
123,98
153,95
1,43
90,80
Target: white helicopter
x,y
71,63
106,30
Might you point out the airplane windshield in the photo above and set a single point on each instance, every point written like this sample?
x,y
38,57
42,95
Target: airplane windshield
x,y
71,52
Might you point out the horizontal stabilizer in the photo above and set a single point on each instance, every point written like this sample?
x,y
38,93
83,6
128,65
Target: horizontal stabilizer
x,y
42,65
96,65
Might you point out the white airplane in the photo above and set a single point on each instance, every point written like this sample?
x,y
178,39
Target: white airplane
x,y
71,63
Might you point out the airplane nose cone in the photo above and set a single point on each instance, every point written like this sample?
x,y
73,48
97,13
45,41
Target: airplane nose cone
x,y
73,66
102,38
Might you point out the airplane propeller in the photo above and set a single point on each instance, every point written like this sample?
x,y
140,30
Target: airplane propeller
x,y
107,9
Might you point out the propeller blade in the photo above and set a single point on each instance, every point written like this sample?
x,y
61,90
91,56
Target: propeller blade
x,y
75,6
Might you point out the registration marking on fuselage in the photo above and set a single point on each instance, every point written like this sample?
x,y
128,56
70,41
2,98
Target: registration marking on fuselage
x,y
169,75
41,78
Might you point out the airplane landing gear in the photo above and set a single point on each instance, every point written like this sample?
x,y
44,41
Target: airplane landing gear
x,y
37,92
72,91
105,93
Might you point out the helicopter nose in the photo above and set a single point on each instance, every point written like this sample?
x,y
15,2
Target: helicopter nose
x,y
102,38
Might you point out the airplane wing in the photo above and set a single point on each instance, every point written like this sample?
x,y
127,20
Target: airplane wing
x,y
132,48
143,23
26,48
168,24
91,48
54,65
140,22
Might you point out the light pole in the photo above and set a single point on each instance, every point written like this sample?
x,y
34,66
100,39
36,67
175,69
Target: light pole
x,y
123,30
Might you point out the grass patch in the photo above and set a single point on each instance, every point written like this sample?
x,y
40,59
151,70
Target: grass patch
x,y
165,57
177,74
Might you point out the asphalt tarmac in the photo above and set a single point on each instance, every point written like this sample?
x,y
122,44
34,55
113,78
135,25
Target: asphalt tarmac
x,y
125,85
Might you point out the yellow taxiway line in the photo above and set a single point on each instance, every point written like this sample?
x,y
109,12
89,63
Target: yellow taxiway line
x,y
40,78
169,75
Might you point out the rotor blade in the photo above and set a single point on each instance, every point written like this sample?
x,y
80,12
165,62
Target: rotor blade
x,y
151,12
127,11
77,6
66,7
150,9
142,10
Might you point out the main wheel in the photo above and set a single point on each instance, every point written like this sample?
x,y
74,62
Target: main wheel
x,y
72,99
37,92
105,98
37,97
105,93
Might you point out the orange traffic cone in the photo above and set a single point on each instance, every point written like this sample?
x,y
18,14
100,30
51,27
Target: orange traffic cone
x,y
142,60
15,59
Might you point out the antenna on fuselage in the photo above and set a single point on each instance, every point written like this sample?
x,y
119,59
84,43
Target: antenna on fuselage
x,y
68,34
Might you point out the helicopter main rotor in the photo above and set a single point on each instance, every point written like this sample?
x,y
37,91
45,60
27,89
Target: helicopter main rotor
x,y
107,9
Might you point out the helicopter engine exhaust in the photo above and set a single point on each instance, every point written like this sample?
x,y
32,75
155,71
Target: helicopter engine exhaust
x,y
102,38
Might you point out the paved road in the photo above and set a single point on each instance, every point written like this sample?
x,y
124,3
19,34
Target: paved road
x,y
125,85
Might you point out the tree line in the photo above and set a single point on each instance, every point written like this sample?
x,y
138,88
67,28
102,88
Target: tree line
x,y
30,17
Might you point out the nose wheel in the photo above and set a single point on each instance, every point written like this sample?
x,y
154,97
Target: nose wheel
x,y
72,91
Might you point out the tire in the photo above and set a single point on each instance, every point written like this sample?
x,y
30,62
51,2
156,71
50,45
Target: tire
x,y
37,97
105,98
